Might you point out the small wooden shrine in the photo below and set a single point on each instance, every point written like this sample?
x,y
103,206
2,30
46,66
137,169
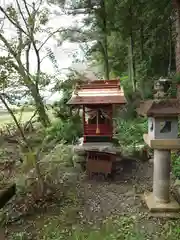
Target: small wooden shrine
x,y
97,99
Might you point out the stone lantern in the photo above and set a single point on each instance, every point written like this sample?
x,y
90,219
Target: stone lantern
x,y
162,136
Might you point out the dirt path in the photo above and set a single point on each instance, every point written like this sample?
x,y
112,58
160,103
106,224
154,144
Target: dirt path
x,y
122,197
98,200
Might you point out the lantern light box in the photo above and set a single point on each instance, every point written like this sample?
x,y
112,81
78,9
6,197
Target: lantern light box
x,y
163,128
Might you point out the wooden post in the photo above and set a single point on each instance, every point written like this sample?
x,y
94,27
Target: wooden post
x,y
84,122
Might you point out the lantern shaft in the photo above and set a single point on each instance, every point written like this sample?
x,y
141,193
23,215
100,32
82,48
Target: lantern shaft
x,y
161,178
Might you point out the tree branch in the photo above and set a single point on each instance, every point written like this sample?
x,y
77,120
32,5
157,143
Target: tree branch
x,y
30,120
27,9
19,68
30,32
51,34
2,98
33,16
27,57
13,22
19,48
21,13
8,46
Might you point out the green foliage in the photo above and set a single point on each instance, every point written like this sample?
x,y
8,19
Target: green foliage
x,y
68,126
176,165
172,230
133,99
176,78
69,130
19,236
27,22
130,133
112,24
111,229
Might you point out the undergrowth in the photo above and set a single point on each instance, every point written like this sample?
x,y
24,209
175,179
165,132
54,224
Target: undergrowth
x,y
123,228
69,131
130,133
176,164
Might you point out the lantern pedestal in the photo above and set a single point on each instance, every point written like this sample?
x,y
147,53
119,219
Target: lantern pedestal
x,y
160,200
156,206
161,177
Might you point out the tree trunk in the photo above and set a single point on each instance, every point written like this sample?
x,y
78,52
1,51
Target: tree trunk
x,y
170,47
142,41
105,40
30,148
106,60
131,64
43,116
131,54
177,49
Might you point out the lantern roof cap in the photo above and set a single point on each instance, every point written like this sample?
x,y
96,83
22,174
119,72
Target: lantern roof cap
x,y
159,108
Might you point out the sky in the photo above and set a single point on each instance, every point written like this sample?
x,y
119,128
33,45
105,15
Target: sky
x,y
63,53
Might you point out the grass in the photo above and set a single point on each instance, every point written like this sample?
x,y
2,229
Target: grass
x,y
122,228
6,118
66,224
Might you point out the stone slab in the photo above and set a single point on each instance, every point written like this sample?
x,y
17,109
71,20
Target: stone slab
x,y
97,146
156,207
162,143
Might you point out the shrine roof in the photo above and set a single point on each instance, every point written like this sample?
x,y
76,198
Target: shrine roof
x,y
160,108
98,92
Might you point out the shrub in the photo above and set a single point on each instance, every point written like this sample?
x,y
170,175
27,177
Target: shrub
x,y
130,132
69,130
176,165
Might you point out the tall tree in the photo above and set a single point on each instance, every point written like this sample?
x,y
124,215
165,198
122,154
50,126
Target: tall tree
x,y
27,20
136,36
176,4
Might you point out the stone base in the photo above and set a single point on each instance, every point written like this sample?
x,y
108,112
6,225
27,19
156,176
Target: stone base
x,y
169,144
97,146
156,207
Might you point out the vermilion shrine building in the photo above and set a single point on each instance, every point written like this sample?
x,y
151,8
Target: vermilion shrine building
x,y
97,99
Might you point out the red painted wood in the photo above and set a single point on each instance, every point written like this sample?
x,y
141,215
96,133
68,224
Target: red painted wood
x,y
106,129
84,119
90,129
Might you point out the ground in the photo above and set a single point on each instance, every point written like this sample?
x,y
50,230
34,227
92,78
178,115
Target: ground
x,y
86,209
98,209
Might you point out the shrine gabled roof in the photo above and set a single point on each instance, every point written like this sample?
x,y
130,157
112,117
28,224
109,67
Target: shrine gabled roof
x,y
98,92
160,108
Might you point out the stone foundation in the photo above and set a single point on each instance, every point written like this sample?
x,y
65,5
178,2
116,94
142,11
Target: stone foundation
x,y
155,206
